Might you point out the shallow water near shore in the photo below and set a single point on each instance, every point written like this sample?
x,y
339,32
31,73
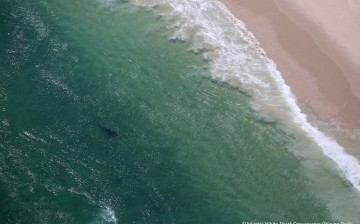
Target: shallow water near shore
x,y
105,120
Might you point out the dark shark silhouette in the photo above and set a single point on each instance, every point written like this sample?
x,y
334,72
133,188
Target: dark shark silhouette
x,y
108,131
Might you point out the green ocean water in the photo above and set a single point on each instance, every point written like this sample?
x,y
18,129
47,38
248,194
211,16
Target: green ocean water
x,y
104,120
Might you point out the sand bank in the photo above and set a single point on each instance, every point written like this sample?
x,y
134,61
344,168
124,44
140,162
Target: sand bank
x,y
314,44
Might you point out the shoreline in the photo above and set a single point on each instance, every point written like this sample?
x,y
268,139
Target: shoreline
x,y
263,80
328,79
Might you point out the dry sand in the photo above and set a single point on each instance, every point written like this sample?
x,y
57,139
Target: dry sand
x,y
315,44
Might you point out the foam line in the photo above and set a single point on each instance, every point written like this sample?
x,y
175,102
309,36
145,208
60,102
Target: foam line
x,y
236,57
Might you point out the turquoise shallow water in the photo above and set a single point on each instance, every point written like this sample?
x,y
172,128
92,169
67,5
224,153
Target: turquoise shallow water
x,y
104,120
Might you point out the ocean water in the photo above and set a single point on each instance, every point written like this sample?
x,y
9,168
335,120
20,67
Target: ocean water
x,y
118,111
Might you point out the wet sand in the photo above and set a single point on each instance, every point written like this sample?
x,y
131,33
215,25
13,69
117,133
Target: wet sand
x,y
314,44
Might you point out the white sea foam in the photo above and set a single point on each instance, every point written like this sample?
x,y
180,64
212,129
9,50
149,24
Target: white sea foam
x,y
237,58
31,136
5,122
107,215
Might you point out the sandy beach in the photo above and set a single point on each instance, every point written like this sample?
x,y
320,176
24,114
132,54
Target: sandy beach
x,y
314,44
